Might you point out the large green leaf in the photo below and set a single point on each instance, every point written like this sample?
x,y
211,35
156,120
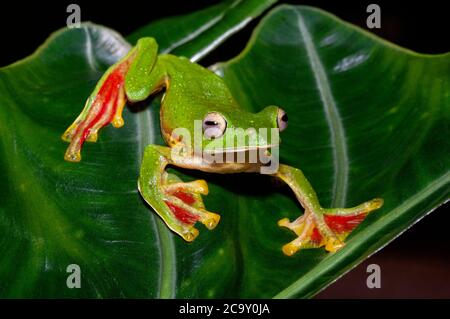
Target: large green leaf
x,y
366,119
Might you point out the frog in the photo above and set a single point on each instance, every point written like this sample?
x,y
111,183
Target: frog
x,y
197,102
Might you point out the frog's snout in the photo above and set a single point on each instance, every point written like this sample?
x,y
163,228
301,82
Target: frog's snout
x,y
276,116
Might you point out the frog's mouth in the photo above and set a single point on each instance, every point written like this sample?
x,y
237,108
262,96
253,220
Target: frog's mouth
x,y
242,149
244,155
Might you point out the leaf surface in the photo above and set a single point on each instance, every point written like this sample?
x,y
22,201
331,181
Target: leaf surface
x,y
366,119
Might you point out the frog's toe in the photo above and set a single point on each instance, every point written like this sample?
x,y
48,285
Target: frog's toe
x,y
190,234
69,133
92,136
195,187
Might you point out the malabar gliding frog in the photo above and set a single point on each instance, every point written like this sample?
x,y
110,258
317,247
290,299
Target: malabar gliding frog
x,y
196,99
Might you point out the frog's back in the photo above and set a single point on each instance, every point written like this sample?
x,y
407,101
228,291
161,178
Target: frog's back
x,y
196,86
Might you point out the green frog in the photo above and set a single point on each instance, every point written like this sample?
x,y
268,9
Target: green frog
x,y
201,124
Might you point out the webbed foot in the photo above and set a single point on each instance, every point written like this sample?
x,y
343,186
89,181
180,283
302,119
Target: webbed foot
x,y
128,79
326,227
186,203
104,106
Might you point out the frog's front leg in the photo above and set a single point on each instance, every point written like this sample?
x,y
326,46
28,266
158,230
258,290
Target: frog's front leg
x,y
319,226
179,204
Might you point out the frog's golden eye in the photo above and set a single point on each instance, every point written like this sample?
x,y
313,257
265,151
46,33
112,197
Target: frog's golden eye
x,y
282,120
214,125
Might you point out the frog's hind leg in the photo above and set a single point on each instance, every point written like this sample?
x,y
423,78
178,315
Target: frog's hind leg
x,y
121,82
319,226
179,204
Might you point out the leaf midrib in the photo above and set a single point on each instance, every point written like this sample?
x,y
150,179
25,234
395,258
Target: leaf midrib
x,y
334,120
165,241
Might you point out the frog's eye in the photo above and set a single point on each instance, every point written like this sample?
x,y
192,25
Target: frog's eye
x,y
214,125
282,120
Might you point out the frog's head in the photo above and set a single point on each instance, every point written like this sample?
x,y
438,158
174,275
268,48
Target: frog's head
x,y
224,129
241,131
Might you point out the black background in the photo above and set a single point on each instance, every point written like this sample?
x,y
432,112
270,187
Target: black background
x,y
422,26
417,264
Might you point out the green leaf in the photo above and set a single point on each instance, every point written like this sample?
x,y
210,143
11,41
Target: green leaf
x,y
196,34
53,214
366,119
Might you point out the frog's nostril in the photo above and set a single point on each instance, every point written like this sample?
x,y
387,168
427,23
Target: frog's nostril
x,y
282,119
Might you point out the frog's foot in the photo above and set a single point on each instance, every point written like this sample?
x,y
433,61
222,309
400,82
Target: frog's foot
x,y
179,204
326,227
104,106
186,204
